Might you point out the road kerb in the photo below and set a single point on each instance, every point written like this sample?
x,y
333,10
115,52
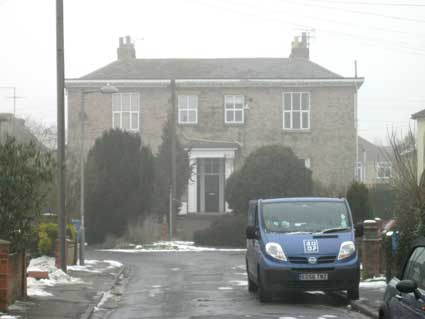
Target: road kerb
x,y
89,312
366,310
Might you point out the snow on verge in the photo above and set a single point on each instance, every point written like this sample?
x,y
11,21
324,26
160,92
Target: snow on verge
x,y
374,283
172,246
56,277
96,266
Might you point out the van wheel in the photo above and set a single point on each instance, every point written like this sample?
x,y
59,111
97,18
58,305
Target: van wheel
x,y
353,294
263,294
252,287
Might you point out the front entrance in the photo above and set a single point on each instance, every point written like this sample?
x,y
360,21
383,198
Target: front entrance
x,y
210,185
212,195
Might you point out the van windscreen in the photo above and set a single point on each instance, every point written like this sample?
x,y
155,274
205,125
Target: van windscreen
x,y
309,216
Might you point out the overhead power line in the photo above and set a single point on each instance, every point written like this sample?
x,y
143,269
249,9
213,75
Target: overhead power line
x,y
314,4
375,41
365,3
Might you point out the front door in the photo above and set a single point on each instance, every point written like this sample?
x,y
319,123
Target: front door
x,y
212,193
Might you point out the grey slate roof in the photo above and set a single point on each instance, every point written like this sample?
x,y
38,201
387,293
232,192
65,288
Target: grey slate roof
x,y
374,153
418,115
234,68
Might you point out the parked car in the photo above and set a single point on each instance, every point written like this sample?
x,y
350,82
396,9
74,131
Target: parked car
x,y
301,244
405,296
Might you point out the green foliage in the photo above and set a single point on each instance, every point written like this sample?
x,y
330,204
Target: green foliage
x,y
26,174
119,178
358,198
228,231
382,201
48,235
163,172
270,171
45,244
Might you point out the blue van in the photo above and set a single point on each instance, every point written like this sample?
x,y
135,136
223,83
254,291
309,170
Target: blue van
x,y
301,244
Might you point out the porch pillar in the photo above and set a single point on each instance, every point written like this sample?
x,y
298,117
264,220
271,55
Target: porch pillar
x,y
192,205
229,168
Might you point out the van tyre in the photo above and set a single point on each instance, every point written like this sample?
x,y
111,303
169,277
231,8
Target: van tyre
x,y
263,294
252,287
353,294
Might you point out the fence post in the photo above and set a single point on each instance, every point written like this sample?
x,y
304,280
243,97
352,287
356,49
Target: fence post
x,y
371,250
4,275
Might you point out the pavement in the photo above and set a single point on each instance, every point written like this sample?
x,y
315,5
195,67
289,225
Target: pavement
x,y
369,302
75,300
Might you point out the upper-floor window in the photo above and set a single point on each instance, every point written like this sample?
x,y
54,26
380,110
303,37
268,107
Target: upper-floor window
x,y
125,111
360,172
384,170
234,109
296,110
188,109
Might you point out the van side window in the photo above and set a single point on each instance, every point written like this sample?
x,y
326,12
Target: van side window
x,y
414,269
256,215
251,214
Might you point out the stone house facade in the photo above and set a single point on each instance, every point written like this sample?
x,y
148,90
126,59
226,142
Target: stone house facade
x,y
374,164
226,108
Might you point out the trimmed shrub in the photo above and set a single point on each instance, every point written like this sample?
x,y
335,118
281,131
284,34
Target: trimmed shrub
x,y
48,234
228,231
358,198
268,172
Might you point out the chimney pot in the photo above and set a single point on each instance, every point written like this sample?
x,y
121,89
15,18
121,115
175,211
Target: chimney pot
x,y
300,47
126,50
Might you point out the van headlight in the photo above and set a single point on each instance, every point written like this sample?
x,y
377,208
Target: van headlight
x,y
275,250
346,250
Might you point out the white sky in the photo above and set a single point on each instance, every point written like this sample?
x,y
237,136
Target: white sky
x,y
390,50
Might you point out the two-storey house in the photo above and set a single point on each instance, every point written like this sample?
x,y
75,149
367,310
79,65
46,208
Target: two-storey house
x,y
226,108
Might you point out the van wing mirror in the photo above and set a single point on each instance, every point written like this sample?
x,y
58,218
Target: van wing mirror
x,y
252,232
359,230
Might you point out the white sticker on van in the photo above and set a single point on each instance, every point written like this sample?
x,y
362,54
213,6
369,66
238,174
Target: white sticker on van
x,y
311,246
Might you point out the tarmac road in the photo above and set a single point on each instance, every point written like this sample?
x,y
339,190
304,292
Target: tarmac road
x,y
208,285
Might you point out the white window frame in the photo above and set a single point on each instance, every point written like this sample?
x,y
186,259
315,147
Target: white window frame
x,y
291,111
232,108
384,165
134,110
360,172
183,107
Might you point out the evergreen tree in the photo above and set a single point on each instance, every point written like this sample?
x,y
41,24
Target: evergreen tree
x,y
119,178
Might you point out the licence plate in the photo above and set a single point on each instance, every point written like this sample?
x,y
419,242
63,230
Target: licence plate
x,y
313,277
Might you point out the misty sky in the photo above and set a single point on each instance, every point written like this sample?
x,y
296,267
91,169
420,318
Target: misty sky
x,y
387,37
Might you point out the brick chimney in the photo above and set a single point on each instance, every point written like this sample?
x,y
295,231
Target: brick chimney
x,y
300,47
126,50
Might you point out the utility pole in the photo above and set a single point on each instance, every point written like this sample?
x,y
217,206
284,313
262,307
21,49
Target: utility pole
x,y
82,212
14,98
60,77
173,160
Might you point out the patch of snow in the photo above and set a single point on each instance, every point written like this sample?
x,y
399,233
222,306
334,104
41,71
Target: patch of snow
x,y
172,246
56,277
92,266
369,221
225,288
175,269
287,318
390,233
113,263
377,284
241,274
7,317
316,292
156,286
106,296
42,263
239,282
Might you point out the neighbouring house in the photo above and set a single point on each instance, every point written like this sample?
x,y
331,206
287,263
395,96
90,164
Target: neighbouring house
x,y
374,164
226,108
420,140
13,126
